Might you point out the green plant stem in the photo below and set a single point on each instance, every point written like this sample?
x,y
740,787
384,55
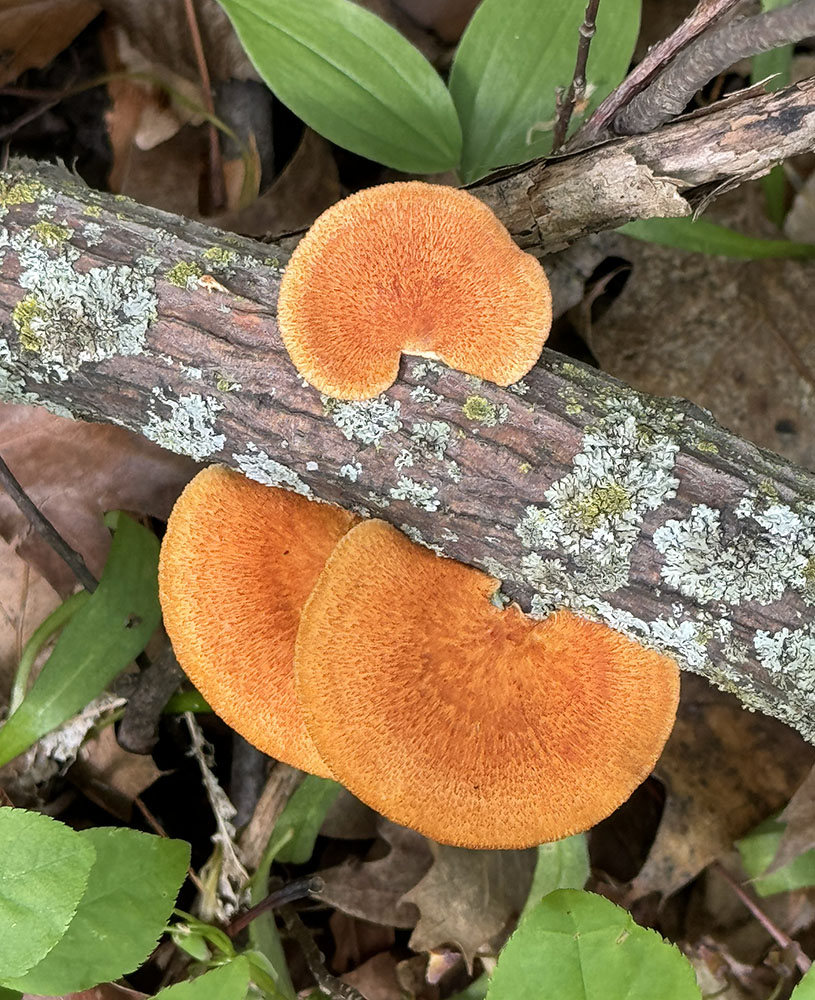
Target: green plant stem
x,y
55,621
186,701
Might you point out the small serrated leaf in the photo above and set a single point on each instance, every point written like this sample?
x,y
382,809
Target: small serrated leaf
x,y
129,898
229,982
42,880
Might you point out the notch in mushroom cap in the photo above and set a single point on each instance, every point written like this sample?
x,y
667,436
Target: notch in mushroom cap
x,y
410,268
476,726
237,563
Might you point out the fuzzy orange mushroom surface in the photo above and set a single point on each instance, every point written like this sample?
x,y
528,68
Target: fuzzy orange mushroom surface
x,y
237,563
410,268
475,725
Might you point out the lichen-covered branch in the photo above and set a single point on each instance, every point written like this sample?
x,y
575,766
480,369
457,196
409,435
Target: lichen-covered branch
x,y
571,488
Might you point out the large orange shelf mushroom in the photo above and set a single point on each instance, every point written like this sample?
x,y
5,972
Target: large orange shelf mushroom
x,y
410,268
474,725
237,563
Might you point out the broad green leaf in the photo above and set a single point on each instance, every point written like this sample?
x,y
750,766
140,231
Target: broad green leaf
x,y
99,641
304,815
229,982
130,896
805,990
703,236
43,877
576,944
563,864
757,851
352,78
512,59
10,994
477,990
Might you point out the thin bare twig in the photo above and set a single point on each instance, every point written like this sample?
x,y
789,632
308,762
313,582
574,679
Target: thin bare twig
x,y
780,937
217,184
45,529
670,92
138,730
706,13
301,888
577,88
328,984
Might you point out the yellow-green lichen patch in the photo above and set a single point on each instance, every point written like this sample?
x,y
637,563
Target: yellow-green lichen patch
x,y
219,258
482,411
595,513
20,192
50,234
184,273
708,447
27,317
574,409
524,467
224,384
94,211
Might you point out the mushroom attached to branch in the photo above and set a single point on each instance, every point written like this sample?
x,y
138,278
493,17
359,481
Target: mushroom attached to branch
x,y
473,724
237,563
410,268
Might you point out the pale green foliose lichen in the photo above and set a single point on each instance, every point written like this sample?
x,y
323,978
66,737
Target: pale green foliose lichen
x,y
185,424
351,471
256,464
482,411
431,437
766,552
367,421
421,495
404,459
416,536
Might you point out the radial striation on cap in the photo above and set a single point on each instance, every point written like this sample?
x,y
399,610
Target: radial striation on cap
x,y
237,563
476,726
410,268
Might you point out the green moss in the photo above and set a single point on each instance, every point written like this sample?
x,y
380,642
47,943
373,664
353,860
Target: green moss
x,y
602,502
23,192
50,234
23,316
481,410
220,256
183,272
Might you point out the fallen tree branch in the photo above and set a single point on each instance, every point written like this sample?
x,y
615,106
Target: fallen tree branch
x,y
712,54
570,487
553,203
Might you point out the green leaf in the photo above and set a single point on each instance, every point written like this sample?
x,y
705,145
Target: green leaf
x,y
229,982
805,990
43,877
563,864
576,944
510,62
304,815
352,78
703,236
97,643
10,994
757,851
130,895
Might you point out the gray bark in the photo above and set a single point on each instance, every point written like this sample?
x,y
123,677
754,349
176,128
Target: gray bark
x,y
570,487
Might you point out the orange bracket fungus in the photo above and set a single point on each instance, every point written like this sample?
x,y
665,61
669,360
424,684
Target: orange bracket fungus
x,y
410,268
474,725
237,563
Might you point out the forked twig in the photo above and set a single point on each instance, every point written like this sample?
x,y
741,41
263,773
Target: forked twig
x,y
577,88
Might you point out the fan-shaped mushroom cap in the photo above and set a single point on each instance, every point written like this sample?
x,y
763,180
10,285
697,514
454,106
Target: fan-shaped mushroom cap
x,y
237,563
410,268
477,726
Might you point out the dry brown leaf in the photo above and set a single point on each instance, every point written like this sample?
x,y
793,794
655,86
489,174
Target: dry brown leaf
x,y
373,890
470,899
349,819
33,32
799,815
733,336
355,940
112,777
74,471
724,770
376,979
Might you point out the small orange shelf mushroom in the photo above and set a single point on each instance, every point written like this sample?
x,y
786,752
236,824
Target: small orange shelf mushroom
x,y
237,563
476,726
410,268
